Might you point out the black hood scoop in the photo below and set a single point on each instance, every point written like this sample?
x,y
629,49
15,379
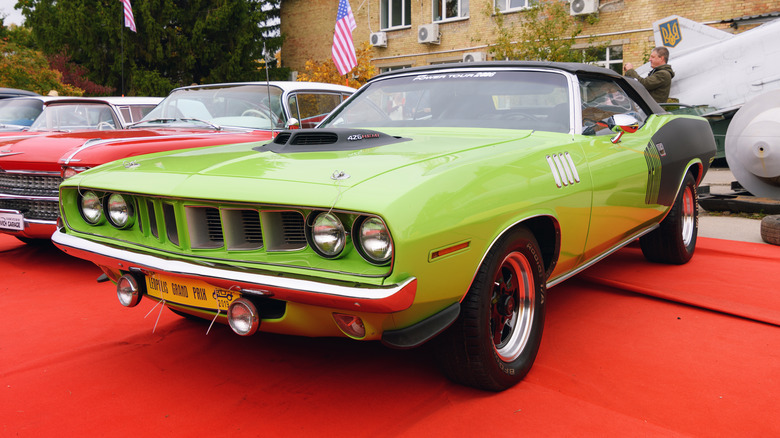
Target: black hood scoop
x,y
326,140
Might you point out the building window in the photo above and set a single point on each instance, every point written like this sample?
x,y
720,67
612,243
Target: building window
x,y
513,5
395,14
392,67
610,57
444,10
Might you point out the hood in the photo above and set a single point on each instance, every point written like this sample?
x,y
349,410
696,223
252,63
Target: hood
x,y
102,150
40,152
245,173
47,151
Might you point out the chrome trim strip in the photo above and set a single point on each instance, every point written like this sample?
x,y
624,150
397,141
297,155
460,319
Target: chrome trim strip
x,y
33,172
176,267
601,257
30,197
30,221
41,222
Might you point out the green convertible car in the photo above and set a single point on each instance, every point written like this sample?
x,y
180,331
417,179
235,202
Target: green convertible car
x,y
436,204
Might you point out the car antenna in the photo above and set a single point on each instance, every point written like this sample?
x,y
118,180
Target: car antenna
x,y
268,90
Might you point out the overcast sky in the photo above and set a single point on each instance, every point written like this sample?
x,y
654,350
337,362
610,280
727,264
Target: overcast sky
x,y
12,16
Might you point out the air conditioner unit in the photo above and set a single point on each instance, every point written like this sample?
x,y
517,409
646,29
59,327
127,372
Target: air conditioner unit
x,y
428,33
379,39
583,7
474,56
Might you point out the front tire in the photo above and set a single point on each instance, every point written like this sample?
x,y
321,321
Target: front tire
x,y
674,240
495,340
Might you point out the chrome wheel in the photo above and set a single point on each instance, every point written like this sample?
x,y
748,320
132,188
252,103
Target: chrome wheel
x,y
512,306
688,214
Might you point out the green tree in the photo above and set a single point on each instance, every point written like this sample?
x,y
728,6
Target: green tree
x,y
546,32
27,69
178,42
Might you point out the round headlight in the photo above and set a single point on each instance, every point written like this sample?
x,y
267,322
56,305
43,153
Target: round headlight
x,y
119,210
91,209
328,235
375,242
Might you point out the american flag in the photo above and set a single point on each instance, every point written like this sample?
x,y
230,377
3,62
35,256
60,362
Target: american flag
x,y
343,50
129,20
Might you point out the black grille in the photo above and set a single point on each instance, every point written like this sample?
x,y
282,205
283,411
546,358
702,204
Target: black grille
x,y
293,228
213,225
252,230
41,210
282,138
28,184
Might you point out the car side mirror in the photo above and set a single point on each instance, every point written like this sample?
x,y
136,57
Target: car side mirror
x,y
622,123
292,123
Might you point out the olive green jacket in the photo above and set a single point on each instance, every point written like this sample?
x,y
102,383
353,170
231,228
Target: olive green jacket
x,y
658,82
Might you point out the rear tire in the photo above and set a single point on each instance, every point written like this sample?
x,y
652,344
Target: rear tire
x,y
674,240
494,342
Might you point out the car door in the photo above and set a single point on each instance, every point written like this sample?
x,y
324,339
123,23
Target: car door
x,y
619,170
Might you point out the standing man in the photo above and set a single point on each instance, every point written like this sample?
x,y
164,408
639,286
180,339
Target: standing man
x,y
659,81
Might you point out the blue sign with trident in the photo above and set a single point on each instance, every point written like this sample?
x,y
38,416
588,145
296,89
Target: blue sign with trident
x,y
670,33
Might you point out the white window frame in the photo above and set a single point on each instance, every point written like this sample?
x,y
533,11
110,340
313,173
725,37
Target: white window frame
x,y
463,11
503,6
607,63
610,61
388,68
388,7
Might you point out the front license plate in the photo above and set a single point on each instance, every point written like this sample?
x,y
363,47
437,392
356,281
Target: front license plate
x,y
12,221
189,292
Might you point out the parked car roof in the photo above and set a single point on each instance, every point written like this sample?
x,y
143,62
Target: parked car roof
x,y
89,113
15,92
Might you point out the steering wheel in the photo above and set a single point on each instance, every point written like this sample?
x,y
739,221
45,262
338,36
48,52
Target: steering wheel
x,y
516,115
104,126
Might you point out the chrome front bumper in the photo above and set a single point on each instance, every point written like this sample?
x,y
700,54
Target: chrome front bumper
x,y
355,298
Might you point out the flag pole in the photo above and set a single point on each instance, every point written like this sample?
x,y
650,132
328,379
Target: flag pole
x,y
122,44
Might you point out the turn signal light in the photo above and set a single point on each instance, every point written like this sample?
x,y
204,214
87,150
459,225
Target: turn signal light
x,y
351,325
127,291
243,317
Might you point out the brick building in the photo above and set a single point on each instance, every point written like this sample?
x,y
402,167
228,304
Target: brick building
x,y
465,27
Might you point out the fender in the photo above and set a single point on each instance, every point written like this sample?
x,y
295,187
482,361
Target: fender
x,y
669,156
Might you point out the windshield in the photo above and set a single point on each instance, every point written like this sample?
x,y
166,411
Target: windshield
x,y
75,117
487,99
244,106
19,112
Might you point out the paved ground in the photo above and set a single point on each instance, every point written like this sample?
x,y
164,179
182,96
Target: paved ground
x,y
722,226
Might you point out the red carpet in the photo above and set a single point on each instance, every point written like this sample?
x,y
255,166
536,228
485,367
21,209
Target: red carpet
x,y
614,361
